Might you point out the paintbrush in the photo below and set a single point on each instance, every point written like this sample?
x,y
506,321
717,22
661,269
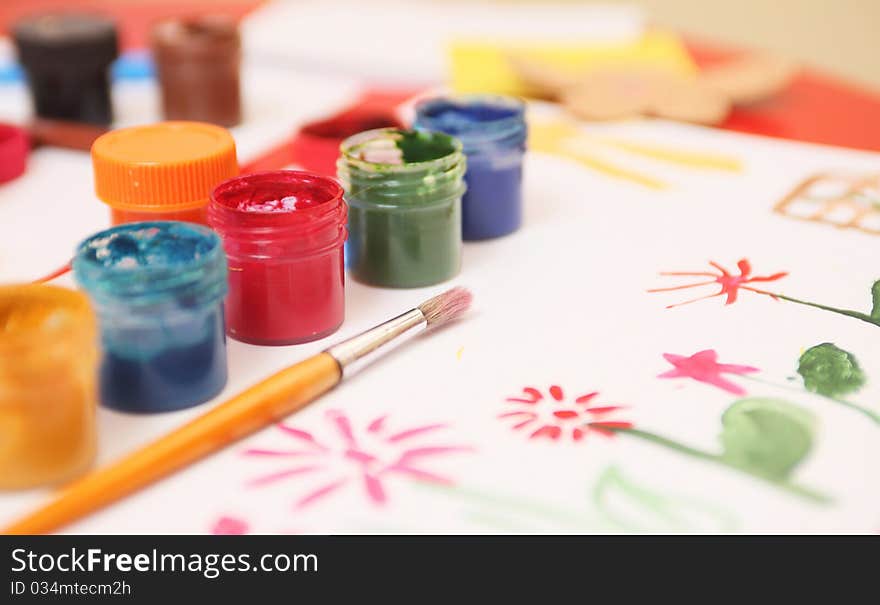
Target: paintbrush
x,y
264,403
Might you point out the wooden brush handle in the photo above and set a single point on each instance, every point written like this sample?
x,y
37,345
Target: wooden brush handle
x,y
272,399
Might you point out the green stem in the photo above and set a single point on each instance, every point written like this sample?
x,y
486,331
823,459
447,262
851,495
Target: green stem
x,y
670,444
874,416
854,406
770,383
793,489
849,313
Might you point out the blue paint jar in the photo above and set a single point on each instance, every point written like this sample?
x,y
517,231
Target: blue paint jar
x,y
158,290
492,130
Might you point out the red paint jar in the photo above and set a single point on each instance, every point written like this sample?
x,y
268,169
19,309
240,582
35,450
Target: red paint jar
x,y
283,232
14,149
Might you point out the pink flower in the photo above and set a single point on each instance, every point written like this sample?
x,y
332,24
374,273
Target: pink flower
x,y
704,367
557,416
370,454
730,284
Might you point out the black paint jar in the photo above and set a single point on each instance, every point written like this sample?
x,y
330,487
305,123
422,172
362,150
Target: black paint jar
x,y
67,58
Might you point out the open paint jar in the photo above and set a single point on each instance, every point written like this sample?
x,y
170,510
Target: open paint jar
x,y
162,172
158,291
492,130
404,192
284,233
48,395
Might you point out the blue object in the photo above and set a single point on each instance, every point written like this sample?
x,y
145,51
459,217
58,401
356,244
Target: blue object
x,y
492,130
158,291
133,65
11,73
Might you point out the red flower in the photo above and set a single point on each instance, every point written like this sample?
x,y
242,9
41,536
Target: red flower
x,y
730,284
552,418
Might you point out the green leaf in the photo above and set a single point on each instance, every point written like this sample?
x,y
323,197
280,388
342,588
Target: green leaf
x,y
769,437
633,507
875,296
830,371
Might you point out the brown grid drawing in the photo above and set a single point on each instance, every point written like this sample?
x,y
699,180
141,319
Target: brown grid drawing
x,y
845,201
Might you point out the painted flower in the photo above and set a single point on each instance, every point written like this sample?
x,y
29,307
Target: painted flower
x,y
730,284
703,366
230,526
370,455
556,416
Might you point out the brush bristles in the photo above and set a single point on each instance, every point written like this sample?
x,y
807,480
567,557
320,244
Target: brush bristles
x,y
446,307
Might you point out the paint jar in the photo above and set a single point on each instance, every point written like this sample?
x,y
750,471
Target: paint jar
x,y
67,58
492,130
404,192
198,62
284,233
158,291
48,395
14,149
162,172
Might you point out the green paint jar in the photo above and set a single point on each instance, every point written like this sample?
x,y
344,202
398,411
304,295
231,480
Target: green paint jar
x,y
404,191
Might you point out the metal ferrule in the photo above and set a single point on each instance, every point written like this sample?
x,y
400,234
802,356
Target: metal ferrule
x,y
361,350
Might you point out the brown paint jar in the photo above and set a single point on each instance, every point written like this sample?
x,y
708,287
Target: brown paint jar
x,y
198,61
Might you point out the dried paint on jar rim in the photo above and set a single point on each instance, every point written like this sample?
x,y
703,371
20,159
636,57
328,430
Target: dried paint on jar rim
x,y
402,168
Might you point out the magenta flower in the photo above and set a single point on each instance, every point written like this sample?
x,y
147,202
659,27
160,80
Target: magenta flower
x,y
704,367
551,418
370,455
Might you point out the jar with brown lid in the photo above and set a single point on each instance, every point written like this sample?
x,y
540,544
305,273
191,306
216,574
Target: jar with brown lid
x,y
198,61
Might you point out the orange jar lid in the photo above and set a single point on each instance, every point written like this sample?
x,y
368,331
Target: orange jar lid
x,y
164,166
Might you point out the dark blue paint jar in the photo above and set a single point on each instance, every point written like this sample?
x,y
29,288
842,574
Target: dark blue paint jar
x,y
492,130
158,289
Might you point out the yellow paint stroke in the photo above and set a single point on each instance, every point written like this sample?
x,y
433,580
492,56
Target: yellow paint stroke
x,y
548,136
553,138
616,171
459,352
691,159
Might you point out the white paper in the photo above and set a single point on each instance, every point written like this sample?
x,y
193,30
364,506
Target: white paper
x,y
562,302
